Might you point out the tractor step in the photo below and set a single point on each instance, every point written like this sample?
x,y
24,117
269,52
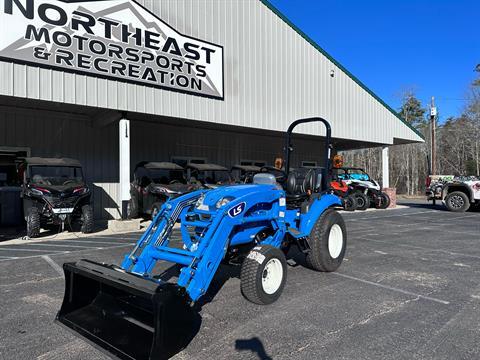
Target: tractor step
x,y
126,315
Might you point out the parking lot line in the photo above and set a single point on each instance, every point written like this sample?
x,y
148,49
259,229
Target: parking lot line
x,y
60,245
406,292
421,248
53,264
58,252
93,242
22,249
353,218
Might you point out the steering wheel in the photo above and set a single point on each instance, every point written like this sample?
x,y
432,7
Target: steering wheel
x,y
173,182
280,175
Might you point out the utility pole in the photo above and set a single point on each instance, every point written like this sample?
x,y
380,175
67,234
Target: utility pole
x,y
433,116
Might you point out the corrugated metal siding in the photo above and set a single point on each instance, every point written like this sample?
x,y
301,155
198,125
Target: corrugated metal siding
x,y
272,76
59,136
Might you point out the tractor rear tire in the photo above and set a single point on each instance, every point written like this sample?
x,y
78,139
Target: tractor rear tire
x,y
350,203
457,201
328,242
263,274
33,222
87,219
363,201
383,201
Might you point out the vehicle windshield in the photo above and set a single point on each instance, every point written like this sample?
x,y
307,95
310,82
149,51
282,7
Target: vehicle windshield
x,y
165,176
218,177
56,175
358,174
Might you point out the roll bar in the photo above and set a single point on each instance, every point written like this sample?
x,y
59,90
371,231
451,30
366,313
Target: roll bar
x,y
328,140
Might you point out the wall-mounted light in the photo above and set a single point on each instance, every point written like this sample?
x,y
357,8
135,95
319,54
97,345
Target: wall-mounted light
x,y
332,73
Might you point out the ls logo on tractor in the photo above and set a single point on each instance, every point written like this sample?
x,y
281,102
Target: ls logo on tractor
x,y
236,210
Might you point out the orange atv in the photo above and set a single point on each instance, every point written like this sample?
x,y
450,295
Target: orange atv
x,y
342,190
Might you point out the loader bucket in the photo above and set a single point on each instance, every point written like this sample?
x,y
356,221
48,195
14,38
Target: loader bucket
x,y
124,314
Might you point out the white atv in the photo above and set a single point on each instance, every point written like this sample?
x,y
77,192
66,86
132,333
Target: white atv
x,y
362,183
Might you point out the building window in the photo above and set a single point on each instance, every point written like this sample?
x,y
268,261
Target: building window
x,y
309,164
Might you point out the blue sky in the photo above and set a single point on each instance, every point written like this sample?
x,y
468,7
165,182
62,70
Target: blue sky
x,y
431,46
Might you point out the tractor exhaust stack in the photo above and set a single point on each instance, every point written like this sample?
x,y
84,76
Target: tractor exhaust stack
x,y
124,314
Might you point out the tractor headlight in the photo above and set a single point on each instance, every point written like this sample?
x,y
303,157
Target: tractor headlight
x,y
223,201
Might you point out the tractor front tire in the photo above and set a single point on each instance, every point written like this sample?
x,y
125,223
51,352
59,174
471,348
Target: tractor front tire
x,y
328,242
457,201
33,222
363,201
263,274
87,219
350,203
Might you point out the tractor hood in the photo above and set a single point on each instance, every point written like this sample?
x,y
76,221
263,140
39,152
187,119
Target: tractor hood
x,y
217,198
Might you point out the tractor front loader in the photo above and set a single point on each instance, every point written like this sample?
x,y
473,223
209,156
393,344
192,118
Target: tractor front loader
x,y
132,313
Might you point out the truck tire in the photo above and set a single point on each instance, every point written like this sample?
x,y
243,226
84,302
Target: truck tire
x,y
155,209
328,242
457,201
263,274
363,201
350,203
87,219
132,208
33,222
383,201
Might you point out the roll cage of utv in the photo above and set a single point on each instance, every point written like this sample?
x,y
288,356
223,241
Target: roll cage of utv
x,y
208,176
54,193
153,184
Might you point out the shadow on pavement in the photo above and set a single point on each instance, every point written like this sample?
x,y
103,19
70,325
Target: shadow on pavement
x,y
254,345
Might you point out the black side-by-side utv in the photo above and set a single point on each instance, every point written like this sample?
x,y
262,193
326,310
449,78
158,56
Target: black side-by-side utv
x,y
243,174
153,184
208,176
54,193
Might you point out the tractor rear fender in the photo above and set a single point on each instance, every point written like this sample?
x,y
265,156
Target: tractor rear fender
x,y
315,210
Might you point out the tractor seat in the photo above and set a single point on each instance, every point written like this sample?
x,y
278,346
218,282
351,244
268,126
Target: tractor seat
x,y
299,184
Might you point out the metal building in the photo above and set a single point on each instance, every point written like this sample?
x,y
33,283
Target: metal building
x,y
114,82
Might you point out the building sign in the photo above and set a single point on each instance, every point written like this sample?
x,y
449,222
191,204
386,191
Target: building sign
x,y
115,39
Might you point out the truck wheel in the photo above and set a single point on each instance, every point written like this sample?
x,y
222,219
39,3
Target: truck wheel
x,y
350,203
155,209
132,208
383,201
328,242
263,274
87,219
363,201
33,222
457,201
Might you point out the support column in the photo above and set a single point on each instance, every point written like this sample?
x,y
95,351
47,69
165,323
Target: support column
x,y
385,170
124,165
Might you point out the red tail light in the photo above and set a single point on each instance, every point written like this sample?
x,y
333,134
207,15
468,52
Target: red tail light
x,y
428,181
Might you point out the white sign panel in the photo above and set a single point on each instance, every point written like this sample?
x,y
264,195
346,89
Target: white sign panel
x,y
114,39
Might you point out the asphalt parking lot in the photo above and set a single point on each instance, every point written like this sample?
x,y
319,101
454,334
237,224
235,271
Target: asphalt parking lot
x,y
409,288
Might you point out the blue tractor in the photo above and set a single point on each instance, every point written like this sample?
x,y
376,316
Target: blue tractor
x,y
130,312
